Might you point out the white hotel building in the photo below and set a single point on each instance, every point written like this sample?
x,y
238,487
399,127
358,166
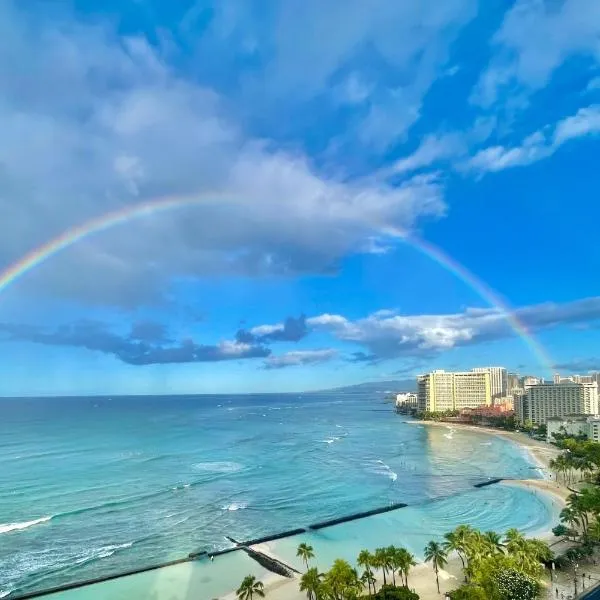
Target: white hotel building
x,y
547,400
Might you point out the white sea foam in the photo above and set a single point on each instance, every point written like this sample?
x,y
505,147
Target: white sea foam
x,y
4,593
235,506
331,440
383,469
102,552
180,487
8,527
217,467
486,443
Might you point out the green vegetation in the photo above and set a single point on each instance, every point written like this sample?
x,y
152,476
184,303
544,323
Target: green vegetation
x,y
250,588
494,567
305,552
436,554
579,461
437,416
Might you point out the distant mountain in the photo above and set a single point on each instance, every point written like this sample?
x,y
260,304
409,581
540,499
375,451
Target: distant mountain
x,y
381,387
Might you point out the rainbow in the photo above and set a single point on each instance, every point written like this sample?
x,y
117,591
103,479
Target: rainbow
x,y
38,255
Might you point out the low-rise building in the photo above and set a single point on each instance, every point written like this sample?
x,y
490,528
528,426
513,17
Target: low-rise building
x,y
574,425
497,410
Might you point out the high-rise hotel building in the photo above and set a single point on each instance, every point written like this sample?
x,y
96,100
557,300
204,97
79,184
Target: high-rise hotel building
x,y
442,390
498,380
546,400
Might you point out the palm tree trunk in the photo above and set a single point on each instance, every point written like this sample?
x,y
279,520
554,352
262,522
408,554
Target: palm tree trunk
x,y
437,579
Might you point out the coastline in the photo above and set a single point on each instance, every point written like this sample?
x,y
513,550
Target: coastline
x,y
422,579
540,452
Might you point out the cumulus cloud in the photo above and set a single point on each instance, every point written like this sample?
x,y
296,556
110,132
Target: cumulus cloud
x,y
103,122
385,335
131,349
539,145
300,357
291,330
382,335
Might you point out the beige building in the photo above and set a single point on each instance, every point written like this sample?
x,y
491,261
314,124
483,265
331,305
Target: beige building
x,y
442,390
498,380
546,400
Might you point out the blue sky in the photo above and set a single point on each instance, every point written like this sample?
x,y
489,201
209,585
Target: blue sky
x,y
333,131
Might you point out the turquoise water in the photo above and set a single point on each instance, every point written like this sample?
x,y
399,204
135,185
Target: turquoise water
x,y
96,486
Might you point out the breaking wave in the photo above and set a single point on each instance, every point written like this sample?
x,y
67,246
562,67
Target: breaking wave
x,y
217,467
8,527
235,506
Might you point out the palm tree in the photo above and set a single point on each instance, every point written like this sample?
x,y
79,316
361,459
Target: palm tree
x,y
405,560
457,541
310,583
515,541
305,552
342,581
249,588
367,578
437,556
569,516
365,560
379,561
392,561
494,540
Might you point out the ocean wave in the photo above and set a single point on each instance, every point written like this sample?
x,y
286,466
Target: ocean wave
x,y
235,506
183,486
102,552
4,593
8,527
331,440
218,467
386,470
450,434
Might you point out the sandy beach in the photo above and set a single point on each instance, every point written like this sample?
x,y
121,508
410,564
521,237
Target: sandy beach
x,y
421,577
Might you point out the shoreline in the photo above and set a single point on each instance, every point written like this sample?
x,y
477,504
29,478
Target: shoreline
x,y
539,451
422,578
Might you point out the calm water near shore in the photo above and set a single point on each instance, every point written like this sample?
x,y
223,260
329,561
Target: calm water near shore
x,y
93,486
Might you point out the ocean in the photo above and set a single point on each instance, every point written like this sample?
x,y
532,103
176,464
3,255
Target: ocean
x,y
93,486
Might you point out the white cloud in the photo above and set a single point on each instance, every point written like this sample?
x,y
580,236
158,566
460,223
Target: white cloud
x,y
593,85
538,145
432,149
535,38
585,122
300,357
398,48
102,122
386,334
